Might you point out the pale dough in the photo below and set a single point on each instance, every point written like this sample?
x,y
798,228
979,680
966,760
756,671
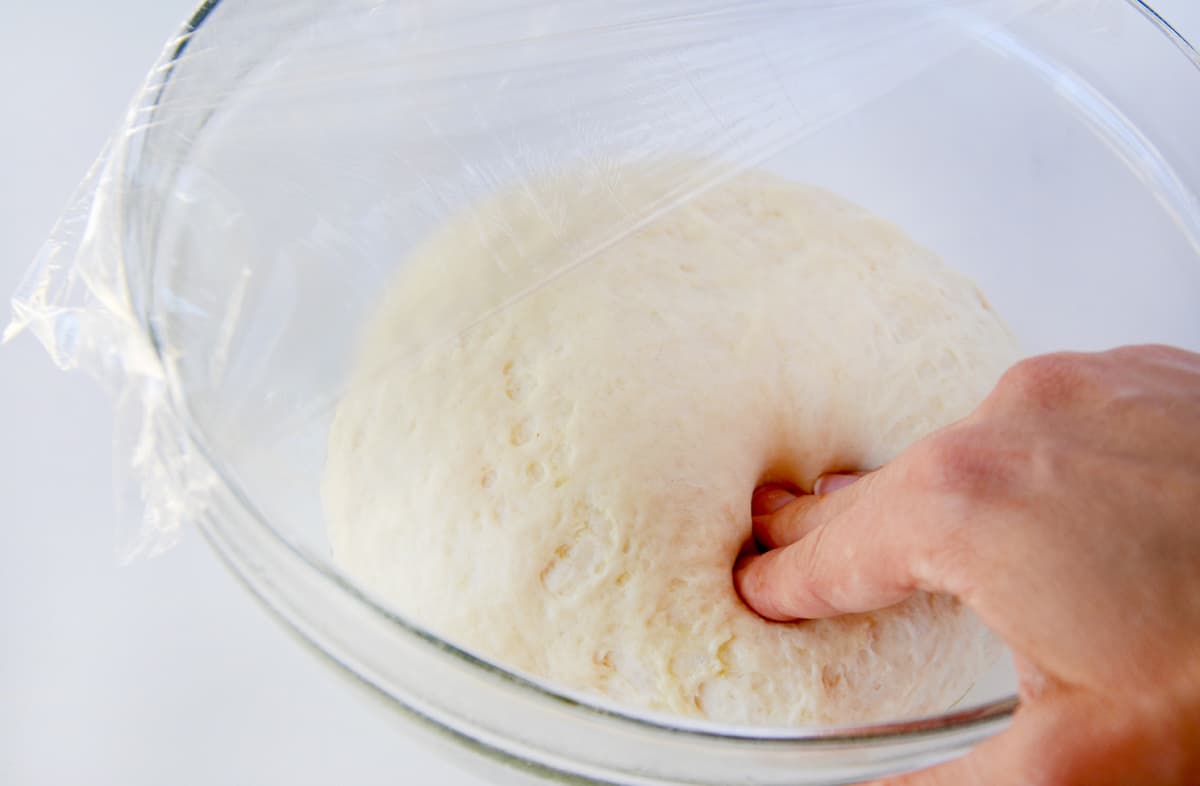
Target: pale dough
x,y
561,482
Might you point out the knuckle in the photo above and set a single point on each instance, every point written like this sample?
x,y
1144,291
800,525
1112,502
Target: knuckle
x,y
965,474
953,462
967,479
1044,378
1049,380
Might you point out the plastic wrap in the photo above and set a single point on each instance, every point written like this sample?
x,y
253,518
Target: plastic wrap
x,y
216,264
283,158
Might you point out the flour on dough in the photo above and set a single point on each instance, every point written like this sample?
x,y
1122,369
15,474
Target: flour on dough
x,y
561,482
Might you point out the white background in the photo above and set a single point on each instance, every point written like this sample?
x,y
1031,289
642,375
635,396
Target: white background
x,y
166,672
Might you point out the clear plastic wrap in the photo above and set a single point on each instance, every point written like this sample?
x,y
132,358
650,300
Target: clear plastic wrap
x,y
217,266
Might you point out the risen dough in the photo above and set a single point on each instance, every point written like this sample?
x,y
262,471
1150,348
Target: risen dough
x,y
563,485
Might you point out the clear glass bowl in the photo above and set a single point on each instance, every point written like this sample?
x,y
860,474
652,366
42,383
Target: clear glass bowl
x,y
289,153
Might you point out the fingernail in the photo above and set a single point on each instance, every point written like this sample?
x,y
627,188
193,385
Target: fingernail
x,y
768,499
827,484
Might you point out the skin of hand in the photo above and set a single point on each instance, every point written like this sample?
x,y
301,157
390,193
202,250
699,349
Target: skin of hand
x,y
1066,512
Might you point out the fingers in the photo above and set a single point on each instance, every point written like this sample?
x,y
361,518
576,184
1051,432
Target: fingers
x,y
768,499
837,555
781,518
827,484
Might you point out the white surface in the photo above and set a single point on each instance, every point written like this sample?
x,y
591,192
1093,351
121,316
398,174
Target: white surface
x,y
165,672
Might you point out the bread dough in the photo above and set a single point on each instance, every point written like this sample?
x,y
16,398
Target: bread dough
x,y
561,480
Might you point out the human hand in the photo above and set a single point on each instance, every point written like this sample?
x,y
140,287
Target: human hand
x,y
1066,512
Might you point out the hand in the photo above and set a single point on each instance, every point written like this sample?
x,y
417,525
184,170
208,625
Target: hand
x,y
1066,512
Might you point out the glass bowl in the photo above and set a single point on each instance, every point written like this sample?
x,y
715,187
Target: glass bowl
x,y
286,155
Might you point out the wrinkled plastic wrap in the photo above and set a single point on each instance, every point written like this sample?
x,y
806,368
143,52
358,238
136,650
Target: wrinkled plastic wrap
x,y
216,265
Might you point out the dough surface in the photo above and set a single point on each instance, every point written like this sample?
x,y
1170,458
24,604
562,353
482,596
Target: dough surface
x,y
562,483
